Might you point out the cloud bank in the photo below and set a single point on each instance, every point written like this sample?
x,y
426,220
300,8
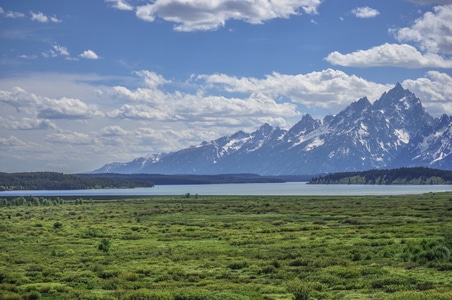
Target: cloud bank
x,y
121,122
192,15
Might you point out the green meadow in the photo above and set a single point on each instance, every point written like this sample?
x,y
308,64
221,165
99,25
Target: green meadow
x,y
227,247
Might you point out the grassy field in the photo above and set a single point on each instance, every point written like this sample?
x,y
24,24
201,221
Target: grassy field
x,y
226,247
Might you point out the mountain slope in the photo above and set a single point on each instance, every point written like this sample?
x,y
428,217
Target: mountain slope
x,y
395,131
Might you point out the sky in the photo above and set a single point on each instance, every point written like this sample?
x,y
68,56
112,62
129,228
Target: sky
x,y
89,82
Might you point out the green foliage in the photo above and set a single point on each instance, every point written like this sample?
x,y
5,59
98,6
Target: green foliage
x,y
104,245
57,225
230,247
433,250
301,290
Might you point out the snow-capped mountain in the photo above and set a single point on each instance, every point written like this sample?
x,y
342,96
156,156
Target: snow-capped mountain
x,y
394,131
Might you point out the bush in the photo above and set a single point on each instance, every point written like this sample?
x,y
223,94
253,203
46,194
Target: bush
x,y
144,294
427,251
33,295
57,225
104,245
438,254
238,265
300,290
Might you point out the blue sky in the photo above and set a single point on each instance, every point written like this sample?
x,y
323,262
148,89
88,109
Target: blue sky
x,y
84,83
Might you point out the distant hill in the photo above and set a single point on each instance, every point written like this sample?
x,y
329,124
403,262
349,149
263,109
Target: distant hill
x,y
394,176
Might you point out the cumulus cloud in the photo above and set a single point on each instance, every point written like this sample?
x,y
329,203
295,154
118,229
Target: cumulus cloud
x,y
141,112
396,55
42,18
70,137
113,131
327,89
431,32
89,54
48,108
434,90
11,141
192,15
365,12
120,4
26,124
197,107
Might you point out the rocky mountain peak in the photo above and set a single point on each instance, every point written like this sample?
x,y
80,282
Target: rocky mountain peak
x,y
306,124
395,97
394,131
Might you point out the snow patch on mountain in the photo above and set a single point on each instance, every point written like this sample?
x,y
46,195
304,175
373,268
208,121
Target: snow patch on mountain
x,y
394,131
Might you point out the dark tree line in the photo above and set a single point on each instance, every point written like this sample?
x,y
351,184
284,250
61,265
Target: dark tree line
x,y
417,175
60,181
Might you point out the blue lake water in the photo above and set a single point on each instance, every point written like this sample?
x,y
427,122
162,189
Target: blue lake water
x,y
289,188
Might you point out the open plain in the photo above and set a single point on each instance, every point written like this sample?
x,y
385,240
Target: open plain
x,y
227,247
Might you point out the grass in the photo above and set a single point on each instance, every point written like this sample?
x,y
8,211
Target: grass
x,y
229,247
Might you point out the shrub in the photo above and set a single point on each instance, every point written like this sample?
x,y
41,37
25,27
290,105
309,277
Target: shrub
x,y
427,251
438,254
238,265
300,290
57,225
104,245
145,294
33,295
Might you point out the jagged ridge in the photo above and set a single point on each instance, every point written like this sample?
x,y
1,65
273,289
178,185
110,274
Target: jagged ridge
x,y
395,131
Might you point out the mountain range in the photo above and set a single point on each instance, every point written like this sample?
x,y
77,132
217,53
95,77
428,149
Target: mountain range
x,y
393,132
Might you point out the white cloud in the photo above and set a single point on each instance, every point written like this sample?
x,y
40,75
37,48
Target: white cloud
x,y
24,56
48,108
120,4
141,112
42,18
70,137
325,89
110,131
192,15
432,32
395,55
199,108
365,12
434,90
89,54
56,51
135,123
11,14
11,141
151,79
26,124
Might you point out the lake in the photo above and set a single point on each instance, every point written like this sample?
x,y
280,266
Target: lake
x,y
288,188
